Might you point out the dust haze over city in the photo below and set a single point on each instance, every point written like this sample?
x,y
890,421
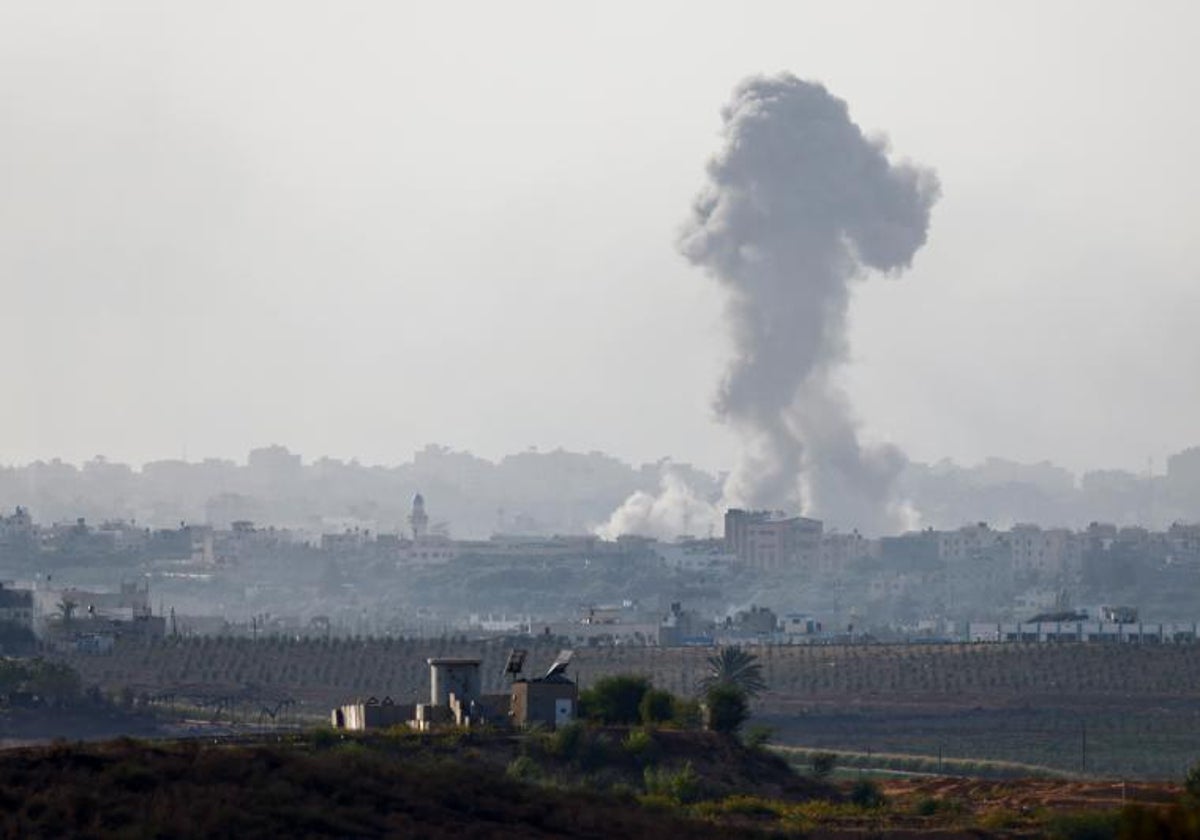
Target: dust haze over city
x,y
670,327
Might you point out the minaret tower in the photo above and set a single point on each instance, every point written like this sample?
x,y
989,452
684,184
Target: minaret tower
x,y
418,520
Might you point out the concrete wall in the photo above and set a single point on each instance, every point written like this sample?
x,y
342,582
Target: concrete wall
x,y
362,716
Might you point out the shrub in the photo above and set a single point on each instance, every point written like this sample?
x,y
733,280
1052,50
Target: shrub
x,y
1001,818
657,802
927,807
578,745
1088,825
323,738
656,706
615,699
681,785
867,794
641,745
726,708
567,742
523,769
686,714
758,736
1191,782
823,764
744,805
622,790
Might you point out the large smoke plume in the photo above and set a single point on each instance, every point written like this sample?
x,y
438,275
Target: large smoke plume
x,y
798,206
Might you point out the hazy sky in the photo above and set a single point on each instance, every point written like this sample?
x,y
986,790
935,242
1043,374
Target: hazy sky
x,y
355,228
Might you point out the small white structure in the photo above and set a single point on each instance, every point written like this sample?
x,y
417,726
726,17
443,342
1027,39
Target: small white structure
x,y
371,714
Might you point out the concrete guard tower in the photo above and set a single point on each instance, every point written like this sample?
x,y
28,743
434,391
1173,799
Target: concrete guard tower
x,y
453,675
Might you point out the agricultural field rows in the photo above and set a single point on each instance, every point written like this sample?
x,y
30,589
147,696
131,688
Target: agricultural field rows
x,y
1117,711
324,672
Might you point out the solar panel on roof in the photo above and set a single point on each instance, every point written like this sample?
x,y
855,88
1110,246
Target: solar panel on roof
x,y
516,661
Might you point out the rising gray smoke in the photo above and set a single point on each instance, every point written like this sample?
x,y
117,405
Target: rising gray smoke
x,y
798,205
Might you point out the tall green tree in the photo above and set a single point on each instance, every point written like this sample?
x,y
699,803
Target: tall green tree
x,y
732,666
66,609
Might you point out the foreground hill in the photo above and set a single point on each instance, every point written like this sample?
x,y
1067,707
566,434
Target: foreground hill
x,y
578,782
403,787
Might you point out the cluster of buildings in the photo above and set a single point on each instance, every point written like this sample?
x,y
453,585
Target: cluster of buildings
x,y
1030,564
21,538
70,617
456,698
964,574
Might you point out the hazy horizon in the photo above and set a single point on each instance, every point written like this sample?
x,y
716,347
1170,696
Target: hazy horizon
x,y
308,459
227,225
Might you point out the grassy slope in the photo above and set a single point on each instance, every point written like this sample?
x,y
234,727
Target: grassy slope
x,y
454,785
127,788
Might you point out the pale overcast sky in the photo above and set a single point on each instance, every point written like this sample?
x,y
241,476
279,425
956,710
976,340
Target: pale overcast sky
x,y
355,228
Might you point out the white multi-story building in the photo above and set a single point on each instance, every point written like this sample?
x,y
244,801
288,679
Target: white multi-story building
x,y
1054,552
695,556
839,551
968,542
16,605
770,541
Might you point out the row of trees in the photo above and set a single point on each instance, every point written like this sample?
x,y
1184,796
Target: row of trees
x,y
37,682
733,678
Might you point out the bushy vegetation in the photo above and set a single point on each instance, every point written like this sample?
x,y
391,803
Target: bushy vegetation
x,y
758,736
866,793
640,744
656,706
680,784
1191,782
615,700
725,708
38,682
822,764
1093,825
352,788
629,699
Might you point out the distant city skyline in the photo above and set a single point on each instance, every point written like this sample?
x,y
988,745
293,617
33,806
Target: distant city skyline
x,y
562,492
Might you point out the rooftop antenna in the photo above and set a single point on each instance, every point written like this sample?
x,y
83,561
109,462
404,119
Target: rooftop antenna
x,y
559,668
516,661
